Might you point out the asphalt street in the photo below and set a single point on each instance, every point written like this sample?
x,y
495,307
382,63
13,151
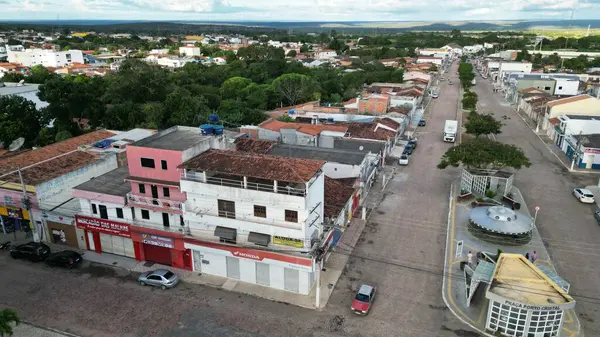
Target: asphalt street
x,y
567,227
401,252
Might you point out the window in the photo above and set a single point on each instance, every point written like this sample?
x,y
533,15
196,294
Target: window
x,y
547,88
145,214
260,211
147,162
94,209
103,212
560,88
142,188
119,213
166,192
165,217
133,212
163,164
291,216
226,208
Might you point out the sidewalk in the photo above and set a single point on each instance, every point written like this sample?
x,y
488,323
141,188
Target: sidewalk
x,y
454,286
30,330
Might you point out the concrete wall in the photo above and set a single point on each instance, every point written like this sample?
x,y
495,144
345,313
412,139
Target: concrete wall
x,y
585,126
566,87
589,107
326,141
58,190
266,134
288,136
173,158
338,171
541,84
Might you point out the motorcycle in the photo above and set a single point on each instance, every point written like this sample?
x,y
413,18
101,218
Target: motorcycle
x,y
5,245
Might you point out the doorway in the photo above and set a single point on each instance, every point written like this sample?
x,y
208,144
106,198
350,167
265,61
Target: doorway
x,y
154,189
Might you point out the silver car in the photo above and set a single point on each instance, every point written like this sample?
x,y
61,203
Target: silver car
x,y
159,278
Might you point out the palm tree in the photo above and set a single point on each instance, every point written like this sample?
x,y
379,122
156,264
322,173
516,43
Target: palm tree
x,y
7,318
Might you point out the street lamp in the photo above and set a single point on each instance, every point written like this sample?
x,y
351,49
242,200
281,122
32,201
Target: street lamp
x,y
537,208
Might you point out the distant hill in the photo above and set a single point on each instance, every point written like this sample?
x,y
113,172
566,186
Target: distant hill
x,y
303,26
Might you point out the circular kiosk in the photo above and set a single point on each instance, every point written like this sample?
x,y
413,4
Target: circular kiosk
x,y
501,225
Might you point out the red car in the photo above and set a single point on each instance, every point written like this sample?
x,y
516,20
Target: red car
x,y
363,300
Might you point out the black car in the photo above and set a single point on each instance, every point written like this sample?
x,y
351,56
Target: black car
x,y
407,150
422,122
32,251
412,143
66,258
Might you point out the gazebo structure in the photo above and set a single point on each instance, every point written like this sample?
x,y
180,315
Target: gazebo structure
x,y
478,181
501,225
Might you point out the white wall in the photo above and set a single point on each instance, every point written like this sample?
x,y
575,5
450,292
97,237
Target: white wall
x,y
58,190
47,58
566,87
338,171
189,51
585,126
515,67
111,209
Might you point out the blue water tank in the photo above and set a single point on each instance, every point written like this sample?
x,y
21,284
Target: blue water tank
x,y
218,129
330,120
206,129
213,117
291,112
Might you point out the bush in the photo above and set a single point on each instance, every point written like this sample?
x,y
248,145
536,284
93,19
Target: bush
x,y
469,102
490,193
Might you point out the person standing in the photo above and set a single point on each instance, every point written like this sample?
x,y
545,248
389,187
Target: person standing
x,y
527,256
533,256
470,258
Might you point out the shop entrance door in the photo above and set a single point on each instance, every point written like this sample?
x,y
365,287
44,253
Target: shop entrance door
x,y
197,261
90,236
233,267
157,254
291,280
263,274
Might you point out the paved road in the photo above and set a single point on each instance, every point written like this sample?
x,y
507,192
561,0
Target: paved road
x,y
402,249
567,227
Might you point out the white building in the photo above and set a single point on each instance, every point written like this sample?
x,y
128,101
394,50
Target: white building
x,y
325,54
431,59
44,57
159,51
250,213
513,67
566,86
473,49
173,62
27,91
189,51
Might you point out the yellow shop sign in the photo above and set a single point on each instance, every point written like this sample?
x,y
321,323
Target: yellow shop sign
x,y
280,240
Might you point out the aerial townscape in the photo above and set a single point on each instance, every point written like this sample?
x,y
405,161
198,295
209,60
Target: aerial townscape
x,y
188,171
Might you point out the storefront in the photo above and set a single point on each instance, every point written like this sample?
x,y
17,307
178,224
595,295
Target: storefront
x,y
106,236
14,219
266,268
161,247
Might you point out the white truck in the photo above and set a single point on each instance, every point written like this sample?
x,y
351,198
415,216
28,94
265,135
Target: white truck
x,y
450,131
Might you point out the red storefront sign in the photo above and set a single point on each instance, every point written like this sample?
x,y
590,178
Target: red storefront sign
x,y
103,225
253,254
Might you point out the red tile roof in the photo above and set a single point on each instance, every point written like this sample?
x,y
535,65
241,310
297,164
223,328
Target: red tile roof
x,y
36,156
569,100
255,165
530,89
253,145
48,170
554,121
311,129
337,194
369,131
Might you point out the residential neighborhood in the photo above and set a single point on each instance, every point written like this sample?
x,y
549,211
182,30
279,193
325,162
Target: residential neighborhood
x,y
336,184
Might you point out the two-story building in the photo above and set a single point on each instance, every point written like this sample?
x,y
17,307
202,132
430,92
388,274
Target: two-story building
x,y
254,218
574,105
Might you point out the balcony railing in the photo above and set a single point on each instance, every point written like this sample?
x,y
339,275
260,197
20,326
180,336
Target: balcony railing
x,y
300,192
174,228
153,202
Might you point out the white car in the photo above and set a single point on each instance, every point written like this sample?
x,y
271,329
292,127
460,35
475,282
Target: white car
x,y
584,195
403,160
435,95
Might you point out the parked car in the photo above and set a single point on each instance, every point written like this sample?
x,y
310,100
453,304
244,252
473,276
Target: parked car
x,y
363,299
403,160
407,150
65,259
422,122
597,216
584,195
449,82
32,251
412,143
159,278
435,95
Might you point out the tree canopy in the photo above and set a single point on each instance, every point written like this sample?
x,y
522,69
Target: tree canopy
x,y
484,154
8,317
478,125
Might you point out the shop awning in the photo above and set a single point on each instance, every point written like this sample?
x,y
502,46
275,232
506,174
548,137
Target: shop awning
x,y
226,233
259,239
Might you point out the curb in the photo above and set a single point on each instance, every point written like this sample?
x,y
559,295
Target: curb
x,y
64,333
444,276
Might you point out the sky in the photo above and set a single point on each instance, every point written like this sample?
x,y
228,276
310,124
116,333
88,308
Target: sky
x,y
299,10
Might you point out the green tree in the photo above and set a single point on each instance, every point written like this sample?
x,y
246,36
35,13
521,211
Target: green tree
x,y
469,100
62,135
13,77
8,317
285,118
304,48
291,53
234,87
523,55
478,125
293,88
39,75
484,154
19,118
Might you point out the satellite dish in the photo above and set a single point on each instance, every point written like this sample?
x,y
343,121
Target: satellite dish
x,y
361,148
16,144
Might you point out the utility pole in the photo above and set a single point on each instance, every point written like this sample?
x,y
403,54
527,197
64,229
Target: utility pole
x,y
576,154
26,203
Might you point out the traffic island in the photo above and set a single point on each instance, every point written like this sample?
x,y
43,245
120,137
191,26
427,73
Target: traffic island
x,y
499,291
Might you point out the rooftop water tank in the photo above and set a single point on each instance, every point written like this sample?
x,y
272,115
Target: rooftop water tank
x,y
213,117
291,112
218,129
329,120
206,129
